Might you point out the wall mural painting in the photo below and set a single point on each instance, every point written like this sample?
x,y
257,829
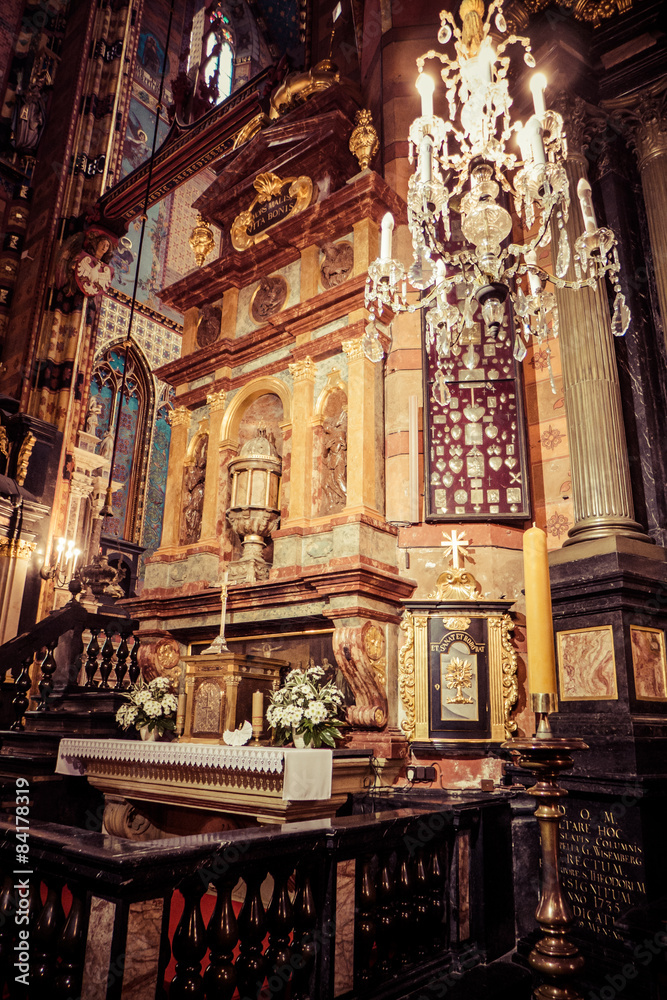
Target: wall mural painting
x,y
157,478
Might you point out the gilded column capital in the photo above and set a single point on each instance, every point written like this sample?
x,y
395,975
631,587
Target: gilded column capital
x,y
574,113
180,417
353,348
217,400
16,548
303,370
644,117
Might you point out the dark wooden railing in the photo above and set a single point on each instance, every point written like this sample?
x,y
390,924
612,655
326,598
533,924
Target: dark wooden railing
x,y
104,643
364,906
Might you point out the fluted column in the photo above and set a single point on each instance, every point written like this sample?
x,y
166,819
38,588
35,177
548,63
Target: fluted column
x,y
216,407
648,124
601,490
362,451
301,472
180,424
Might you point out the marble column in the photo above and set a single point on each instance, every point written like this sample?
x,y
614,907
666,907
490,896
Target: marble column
x,y
216,407
362,482
648,123
180,425
601,487
301,473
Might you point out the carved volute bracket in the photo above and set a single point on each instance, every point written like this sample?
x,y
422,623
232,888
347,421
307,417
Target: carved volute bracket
x,y
360,654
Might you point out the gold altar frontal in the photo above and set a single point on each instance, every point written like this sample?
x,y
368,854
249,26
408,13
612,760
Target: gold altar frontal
x,y
219,689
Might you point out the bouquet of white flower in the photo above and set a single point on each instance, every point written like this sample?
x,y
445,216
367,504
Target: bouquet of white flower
x,y
152,705
304,707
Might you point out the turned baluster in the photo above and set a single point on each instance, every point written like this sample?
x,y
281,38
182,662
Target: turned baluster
x,y
366,924
48,668
21,700
222,935
280,919
189,946
437,884
251,965
135,669
303,942
404,910
421,907
122,654
386,913
92,653
44,941
106,666
72,947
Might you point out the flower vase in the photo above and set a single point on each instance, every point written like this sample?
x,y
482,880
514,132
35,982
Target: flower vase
x,y
149,735
298,740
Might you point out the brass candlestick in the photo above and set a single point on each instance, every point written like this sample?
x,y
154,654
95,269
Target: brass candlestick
x,y
554,956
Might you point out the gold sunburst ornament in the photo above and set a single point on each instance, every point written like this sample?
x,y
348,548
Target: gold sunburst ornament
x,y
201,240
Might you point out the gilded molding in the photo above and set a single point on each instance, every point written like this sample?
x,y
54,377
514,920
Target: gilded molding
x,y
23,460
509,670
4,442
593,12
302,370
458,623
353,348
180,417
217,401
269,188
406,675
16,548
364,140
202,240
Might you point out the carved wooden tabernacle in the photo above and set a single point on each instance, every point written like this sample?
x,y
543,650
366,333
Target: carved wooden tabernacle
x,y
219,689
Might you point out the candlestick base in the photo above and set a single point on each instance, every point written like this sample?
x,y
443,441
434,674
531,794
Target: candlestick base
x,y
542,704
554,956
217,646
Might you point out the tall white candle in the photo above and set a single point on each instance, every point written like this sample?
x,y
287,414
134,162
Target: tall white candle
x,y
533,278
426,85
586,201
537,86
533,129
386,229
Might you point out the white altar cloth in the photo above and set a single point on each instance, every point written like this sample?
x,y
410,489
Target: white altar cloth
x,y
306,773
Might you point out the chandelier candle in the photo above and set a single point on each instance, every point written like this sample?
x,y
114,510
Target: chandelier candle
x,y
386,229
537,86
426,85
586,201
539,621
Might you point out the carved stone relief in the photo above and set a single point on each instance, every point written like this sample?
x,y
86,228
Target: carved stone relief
x,y
269,298
193,493
360,654
208,700
334,453
208,327
337,264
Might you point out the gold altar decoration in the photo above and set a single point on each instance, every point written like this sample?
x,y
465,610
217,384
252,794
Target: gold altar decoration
x,y
254,509
219,689
298,87
276,200
364,140
201,240
29,442
406,675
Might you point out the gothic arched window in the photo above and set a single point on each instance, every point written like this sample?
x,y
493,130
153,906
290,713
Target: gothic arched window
x,y
212,52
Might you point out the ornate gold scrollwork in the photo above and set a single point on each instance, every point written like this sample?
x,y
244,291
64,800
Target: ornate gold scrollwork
x,y
509,669
406,675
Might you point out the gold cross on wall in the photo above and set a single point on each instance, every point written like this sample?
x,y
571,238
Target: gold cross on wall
x,y
453,544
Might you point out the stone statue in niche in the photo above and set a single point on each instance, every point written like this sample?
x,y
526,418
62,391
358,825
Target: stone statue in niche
x,y
208,327
193,494
337,264
269,298
92,418
334,466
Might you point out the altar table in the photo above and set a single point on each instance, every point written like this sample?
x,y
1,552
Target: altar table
x,y
267,784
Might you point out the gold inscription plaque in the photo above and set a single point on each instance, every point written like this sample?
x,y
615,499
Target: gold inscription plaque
x,y
276,200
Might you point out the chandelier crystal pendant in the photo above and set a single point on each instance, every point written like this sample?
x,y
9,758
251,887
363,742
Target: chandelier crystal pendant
x,y
465,165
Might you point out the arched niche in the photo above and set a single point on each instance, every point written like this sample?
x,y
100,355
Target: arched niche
x,y
231,422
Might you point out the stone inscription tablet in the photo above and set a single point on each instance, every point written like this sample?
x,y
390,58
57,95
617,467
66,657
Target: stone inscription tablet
x,y
602,864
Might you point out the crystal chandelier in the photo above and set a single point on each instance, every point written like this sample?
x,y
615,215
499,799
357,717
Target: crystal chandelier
x,y
479,164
